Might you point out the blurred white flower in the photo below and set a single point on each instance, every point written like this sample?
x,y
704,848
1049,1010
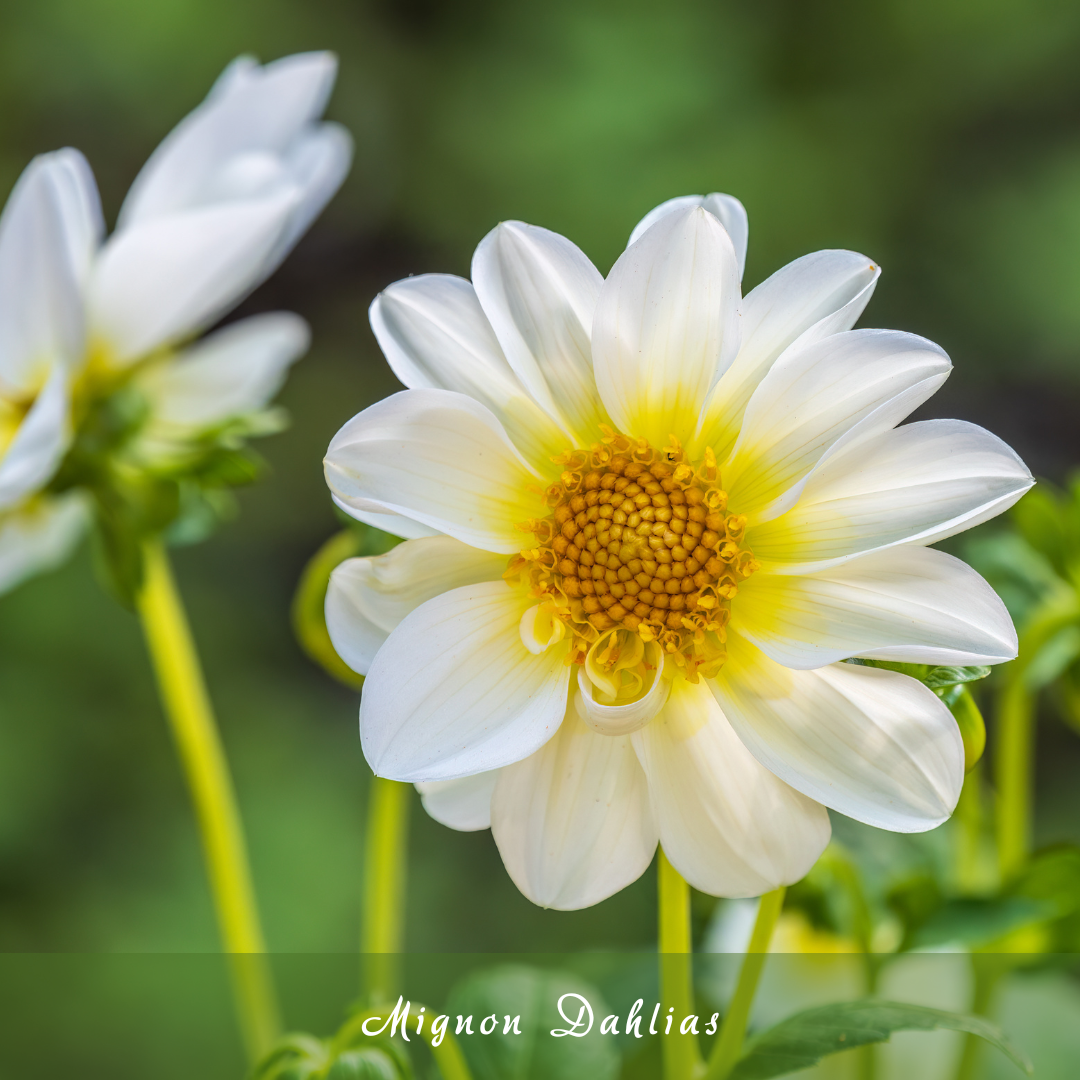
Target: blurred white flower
x,y
707,505
212,213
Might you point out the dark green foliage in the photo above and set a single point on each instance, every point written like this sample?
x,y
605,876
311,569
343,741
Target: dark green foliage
x,y
533,1055
803,1040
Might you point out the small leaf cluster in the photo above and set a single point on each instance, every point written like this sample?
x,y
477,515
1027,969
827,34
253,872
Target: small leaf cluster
x,y
304,1057
183,496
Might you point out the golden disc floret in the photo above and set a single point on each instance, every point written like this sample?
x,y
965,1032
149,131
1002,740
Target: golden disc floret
x,y
639,539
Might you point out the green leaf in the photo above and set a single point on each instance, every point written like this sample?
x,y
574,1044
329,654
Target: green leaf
x,y
804,1039
1052,660
1043,522
1053,877
940,678
977,922
534,1055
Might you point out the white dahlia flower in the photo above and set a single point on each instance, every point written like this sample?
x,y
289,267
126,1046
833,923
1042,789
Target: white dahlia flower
x,y
650,519
212,213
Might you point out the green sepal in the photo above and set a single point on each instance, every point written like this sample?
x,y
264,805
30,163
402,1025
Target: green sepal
x,y
943,678
804,1039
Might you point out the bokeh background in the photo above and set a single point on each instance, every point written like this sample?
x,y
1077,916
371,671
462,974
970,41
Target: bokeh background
x,y
939,137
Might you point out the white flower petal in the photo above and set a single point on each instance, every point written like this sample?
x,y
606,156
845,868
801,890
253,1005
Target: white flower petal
x,y
378,517
874,745
440,458
667,326
910,604
454,691
727,824
620,719
40,536
38,446
820,398
820,294
252,115
573,821
918,483
434,334
725,208
233,372
368,597
539,293
168,277
79,205
317,164
45,230
463,804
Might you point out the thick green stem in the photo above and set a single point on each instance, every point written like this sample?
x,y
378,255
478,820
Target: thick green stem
x,y
682,1059
987,972
970,876
729,1042
1013,755
187,706
382,930
1014,737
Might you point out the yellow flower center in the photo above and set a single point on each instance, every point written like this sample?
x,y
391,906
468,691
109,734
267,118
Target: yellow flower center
x,y
639,545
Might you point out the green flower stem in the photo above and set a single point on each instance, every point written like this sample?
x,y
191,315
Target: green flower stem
x,y
187,706
1012,770
1013,750
987,973
969,832
682,1059
448,1056
382,930
730,1040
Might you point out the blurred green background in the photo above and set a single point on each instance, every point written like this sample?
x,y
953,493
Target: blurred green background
x,y
939,137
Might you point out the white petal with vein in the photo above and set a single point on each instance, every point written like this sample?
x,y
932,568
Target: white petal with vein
x,y
368,597
874,745
911,604
453,691
378,517
539,293
573,821
918,484
463,804
440,458
667,326
843,387
727,824
820,294
434,334
725,208
46,229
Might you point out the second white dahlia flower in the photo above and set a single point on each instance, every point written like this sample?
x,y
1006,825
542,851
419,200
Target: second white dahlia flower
x,y
649,519
96,332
